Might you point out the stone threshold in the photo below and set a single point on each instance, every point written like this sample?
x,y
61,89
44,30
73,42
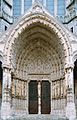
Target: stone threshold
x,y
36,117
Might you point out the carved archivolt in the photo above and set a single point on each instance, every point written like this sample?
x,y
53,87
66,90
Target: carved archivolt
x,y
31,27
37,43
37,50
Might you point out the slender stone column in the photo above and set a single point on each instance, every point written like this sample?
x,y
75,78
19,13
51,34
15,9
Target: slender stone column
x,y
70,108
6,94
27,102
39,97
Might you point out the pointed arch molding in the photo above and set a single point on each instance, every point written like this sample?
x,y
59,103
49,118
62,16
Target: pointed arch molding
x,y
39,24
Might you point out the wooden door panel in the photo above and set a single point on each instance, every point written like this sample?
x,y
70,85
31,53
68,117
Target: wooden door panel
x,y
33,97
45,97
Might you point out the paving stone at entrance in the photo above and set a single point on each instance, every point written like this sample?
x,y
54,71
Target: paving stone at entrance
x,y
37,117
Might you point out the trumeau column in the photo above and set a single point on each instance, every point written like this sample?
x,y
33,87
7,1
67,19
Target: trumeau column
x,y
70,107
39,97
6,94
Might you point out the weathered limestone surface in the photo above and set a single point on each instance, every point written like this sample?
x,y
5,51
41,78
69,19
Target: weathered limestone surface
x,y
70,108
37,48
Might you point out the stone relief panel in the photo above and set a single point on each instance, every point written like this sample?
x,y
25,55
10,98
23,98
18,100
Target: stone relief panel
x,y
18,88
19,93
58,89
58,107
58,97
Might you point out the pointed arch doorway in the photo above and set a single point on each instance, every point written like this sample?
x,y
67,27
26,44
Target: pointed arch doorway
x,y
39,97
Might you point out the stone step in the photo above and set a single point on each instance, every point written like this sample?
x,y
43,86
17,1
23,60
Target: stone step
x,y
36,117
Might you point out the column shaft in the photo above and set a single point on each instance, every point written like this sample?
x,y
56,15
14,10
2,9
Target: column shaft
x,y
39,97
6,94
70,108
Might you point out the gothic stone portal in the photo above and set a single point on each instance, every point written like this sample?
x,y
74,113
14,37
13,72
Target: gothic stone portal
x,y
38,62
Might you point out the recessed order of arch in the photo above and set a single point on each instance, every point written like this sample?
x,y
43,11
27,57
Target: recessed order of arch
x,y
37,31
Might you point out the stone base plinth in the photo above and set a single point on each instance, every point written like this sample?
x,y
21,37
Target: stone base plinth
x,y
5,111
71,111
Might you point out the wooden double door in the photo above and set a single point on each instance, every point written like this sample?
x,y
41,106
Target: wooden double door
x,y
39,97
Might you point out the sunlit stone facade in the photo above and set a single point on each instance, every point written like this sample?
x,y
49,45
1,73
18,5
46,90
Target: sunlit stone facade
x,y
71,16
6,12
38,62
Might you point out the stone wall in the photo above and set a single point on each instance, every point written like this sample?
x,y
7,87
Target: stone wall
x,y
19,100
18,92
58,97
